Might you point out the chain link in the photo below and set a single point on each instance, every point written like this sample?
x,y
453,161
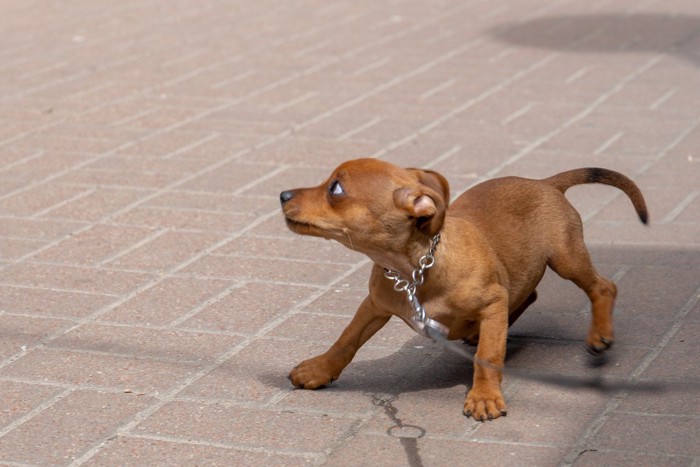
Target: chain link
x,y
418,277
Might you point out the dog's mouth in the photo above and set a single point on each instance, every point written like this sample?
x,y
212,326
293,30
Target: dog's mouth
x,y
303,228
306,228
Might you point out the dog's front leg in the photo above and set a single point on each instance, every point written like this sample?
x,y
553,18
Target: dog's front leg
x,y
485,400
325,368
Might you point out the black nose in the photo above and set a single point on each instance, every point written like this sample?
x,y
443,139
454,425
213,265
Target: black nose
x,y
286,196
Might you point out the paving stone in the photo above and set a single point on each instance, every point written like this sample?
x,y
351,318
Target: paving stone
x,y
254,428
85,417
293,247
121,373
95,204
165,251
136,451
93,246
22,332
29,200
183,219
255,374
248,308
18,399
273,270
675,363
154,343
166,301
540,413
56,303
79,279
36,229
649,434
392,451
595,457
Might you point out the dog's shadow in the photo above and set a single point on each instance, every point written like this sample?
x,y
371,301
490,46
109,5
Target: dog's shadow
x,y
418,365
677,35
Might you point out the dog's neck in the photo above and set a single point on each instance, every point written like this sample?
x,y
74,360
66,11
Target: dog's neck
x,y
406,263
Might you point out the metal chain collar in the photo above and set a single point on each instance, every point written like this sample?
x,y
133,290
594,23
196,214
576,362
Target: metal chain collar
x,y
418,277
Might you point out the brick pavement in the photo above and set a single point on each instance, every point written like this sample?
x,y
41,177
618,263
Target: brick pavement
x,y
152,301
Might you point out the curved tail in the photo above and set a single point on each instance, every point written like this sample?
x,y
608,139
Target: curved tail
x,y
565,180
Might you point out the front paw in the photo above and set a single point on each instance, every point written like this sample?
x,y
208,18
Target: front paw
x,y
484,404
314,373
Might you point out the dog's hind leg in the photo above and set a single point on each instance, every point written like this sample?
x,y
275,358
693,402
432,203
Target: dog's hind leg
x,y
574,263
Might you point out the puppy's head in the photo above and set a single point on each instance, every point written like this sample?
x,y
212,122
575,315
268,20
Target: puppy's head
x,y
370,206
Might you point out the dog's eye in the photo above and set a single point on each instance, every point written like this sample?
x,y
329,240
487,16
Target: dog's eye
x,y
336,189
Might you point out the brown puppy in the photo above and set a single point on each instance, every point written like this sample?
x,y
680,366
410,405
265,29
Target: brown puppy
x,y
496,241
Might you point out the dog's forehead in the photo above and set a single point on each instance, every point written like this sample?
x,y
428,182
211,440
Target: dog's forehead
x,y
369,170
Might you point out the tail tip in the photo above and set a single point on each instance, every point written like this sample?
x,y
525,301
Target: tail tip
x,y
644,217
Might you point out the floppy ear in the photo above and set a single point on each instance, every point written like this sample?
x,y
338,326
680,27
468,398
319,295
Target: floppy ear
x,y
426,201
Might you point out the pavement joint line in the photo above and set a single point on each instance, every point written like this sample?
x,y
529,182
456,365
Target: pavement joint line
x,y
611,407
130,118
122,299
122,355
466,105
67,79
576,118
609,142
88,91
649,164
257,181
367,94
199,116
322,65
680,207
372,66
133,247
506,52
319,286
312,48
233,447
359,129
437,89
266,407
518,113
35,155
195,144
234,79
205,304
542,11
444,156
291,103
575,76
635,453
65,386
182,58
658,415
661,100
127,325
198,71
58,289
171,394
132,205
277,258
34,412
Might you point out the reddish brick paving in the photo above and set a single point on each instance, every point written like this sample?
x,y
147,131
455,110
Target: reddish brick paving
x,y
152,300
